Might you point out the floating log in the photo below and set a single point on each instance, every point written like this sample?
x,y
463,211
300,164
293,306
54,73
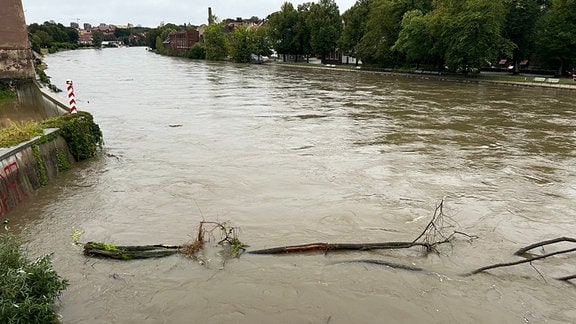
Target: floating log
x,y
130,252
338,246
433,229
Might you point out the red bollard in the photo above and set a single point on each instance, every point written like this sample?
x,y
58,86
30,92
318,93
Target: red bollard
x,y
71,98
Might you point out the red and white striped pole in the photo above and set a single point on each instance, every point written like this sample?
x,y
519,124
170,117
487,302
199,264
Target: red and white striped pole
x,y
71,98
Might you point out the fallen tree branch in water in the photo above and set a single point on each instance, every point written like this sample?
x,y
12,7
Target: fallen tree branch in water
x,y
567,278
130,252
507,264
325,247
524,251
429,240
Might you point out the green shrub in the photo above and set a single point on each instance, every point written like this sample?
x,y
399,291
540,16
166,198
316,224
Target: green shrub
x,y
83,136
27,289
197,52
81,133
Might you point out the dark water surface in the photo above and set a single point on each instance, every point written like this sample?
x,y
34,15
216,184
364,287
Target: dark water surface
x,y
296,155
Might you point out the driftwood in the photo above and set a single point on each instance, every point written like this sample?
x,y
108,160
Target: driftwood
x,y
431,237
426,239
567,278
325,247
130,252
524,252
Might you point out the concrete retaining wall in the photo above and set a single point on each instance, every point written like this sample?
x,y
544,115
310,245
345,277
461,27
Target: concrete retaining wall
x,y
29,166
31,93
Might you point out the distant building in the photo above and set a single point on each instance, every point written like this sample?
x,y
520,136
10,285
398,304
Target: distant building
x,y
105,29
85,37
252,23
75,25
87,26
184,40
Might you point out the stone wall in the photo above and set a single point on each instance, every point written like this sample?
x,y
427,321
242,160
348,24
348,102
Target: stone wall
x,y
15,52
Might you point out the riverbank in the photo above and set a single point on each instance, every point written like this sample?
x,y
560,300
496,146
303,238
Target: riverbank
x,y
482,77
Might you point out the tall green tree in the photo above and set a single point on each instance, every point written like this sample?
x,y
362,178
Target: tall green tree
x,y
302,37
262,44
382,28
325,27
414,40
151,38
556,36
241,45
354,27
281,29
216,42
521,18
44,38
159,46
470,32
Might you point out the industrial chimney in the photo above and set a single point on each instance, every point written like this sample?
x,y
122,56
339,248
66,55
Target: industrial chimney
x,y
210,17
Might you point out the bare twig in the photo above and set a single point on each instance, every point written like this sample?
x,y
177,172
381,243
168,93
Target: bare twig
x,y
523,250
567,278
499,265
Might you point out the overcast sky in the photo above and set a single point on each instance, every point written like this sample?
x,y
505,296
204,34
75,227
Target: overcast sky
x,y
150,13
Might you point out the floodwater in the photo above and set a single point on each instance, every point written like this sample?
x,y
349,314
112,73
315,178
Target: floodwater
x,y
292,156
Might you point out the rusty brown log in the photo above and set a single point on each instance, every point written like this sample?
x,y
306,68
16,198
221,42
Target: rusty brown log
x,y
325,247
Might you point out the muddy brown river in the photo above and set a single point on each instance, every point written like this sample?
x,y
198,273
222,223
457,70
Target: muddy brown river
x,y
292,156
